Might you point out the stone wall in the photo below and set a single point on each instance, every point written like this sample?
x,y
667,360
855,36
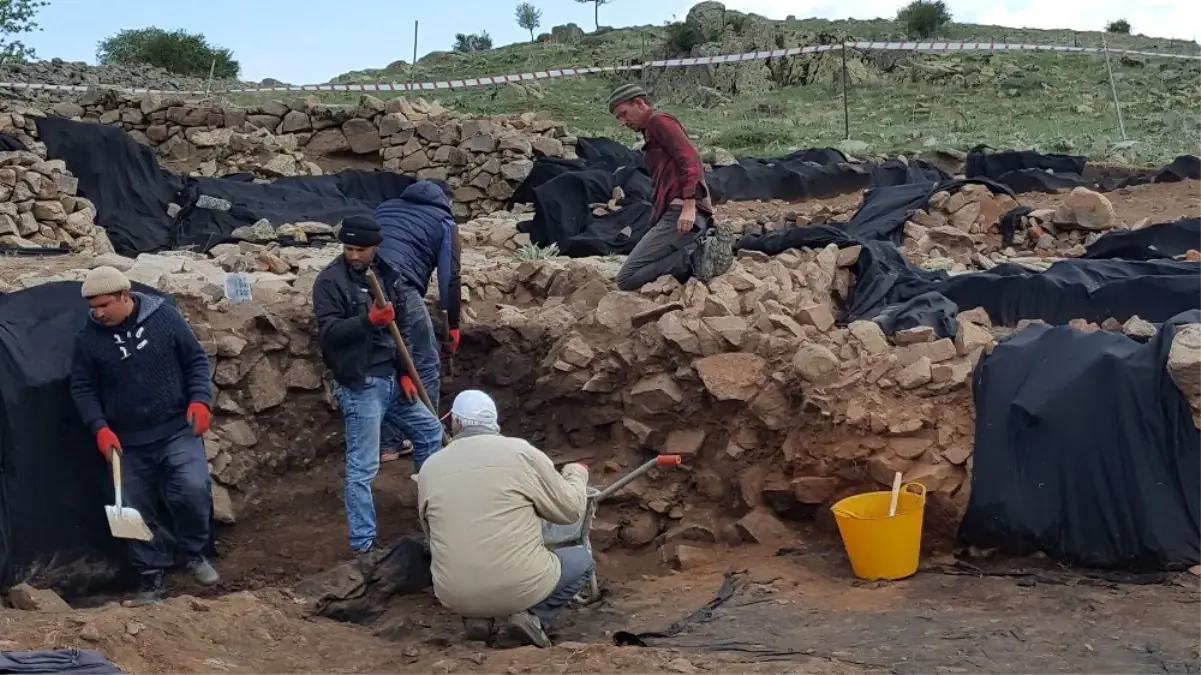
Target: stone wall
x,y
483,158
39,206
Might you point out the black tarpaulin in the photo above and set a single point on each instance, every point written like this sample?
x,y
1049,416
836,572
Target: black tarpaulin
x,y
1074,288
1163,240
120,176
563,217
131,192
898,295
53,483
1086,450
994,165
1030,171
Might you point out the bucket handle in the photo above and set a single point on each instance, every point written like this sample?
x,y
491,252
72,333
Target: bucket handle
x,y
913,488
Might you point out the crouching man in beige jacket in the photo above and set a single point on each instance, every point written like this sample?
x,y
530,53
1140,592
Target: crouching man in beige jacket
x,y
482,499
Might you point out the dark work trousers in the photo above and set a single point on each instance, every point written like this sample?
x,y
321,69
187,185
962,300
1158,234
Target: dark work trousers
x,y
663,250
173,472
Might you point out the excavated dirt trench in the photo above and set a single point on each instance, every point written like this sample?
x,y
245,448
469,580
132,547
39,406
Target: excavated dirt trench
x,y
291,519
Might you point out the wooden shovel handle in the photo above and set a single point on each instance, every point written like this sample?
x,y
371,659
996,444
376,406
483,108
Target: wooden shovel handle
x,y
377,292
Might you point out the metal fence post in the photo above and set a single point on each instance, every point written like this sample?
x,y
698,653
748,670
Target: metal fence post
x,y
1113,87
846,106
413,66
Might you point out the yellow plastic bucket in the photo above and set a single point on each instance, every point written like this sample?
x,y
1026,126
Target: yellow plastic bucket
x,y
881,547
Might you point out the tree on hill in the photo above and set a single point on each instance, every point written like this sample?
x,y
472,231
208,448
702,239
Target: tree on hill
x,y
529,17
16,18
475,42
177,51
595,9
1119,26
923,18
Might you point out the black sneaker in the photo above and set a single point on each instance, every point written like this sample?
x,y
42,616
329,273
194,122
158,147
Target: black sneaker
x,y
479,630
714,253
150,588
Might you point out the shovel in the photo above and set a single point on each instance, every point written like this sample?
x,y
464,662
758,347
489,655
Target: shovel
x,y
405,358
124,522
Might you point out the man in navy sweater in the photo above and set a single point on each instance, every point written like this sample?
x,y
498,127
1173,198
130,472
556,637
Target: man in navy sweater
x,y
140,381
420,236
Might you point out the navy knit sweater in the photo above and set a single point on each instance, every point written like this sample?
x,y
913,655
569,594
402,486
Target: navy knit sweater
x,y
138,378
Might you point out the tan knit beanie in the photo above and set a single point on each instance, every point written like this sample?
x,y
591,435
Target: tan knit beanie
x,y
104,281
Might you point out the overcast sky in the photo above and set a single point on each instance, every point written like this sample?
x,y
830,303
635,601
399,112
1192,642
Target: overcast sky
x,y
310,41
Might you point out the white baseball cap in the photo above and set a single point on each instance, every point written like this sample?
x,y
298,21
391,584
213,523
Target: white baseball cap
x,y
474,408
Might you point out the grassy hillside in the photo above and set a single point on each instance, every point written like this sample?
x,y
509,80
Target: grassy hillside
x,y
898,103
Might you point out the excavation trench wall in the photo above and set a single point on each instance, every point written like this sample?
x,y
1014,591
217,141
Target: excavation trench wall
x,y
777,411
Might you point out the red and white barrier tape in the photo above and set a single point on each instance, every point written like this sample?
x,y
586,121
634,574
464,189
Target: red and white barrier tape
x,y
489,80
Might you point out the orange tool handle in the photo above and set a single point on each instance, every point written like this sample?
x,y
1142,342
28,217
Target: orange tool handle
x,y
669,460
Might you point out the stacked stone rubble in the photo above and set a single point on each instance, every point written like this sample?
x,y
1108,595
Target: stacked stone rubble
x,y
483,158
40,206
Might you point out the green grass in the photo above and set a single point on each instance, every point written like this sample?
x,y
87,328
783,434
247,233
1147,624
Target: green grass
x,y
899,103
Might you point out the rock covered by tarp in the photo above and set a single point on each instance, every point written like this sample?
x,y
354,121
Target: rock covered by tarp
x,y
1093,461
133,195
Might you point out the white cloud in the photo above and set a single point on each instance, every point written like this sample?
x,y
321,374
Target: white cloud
x,y
1179,19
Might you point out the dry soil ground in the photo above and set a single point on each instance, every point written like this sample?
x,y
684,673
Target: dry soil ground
x,y
796,609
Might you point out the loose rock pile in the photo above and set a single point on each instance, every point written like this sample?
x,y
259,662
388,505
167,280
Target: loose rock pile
x,y
483,159
959,232
58,71
39,206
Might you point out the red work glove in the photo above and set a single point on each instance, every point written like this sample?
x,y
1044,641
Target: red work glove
x,y
407,386
381,316
455,337
107,441
199,417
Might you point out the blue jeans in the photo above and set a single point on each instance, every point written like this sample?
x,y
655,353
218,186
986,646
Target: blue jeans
x,y
174,471
418,332
364,412
575,568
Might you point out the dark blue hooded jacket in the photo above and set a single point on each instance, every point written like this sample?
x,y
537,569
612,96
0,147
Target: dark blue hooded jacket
x,y
138,378
420,235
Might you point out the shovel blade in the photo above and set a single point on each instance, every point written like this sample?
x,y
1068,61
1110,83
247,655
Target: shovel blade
x,y
127,523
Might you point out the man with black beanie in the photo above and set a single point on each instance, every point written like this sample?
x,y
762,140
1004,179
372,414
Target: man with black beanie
x,y
369,381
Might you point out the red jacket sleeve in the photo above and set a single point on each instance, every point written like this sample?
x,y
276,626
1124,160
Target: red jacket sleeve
x,y
671,135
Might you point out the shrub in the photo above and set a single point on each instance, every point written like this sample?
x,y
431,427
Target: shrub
x,y
475,42
1119,26
177,51
923,18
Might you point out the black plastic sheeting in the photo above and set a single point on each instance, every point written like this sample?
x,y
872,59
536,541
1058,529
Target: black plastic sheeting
x,y
562,189
53,483
1094,460
562,215
1029,171
899,295
131,192
1163,240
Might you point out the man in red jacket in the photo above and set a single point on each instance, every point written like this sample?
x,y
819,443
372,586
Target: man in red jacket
x,y
684,240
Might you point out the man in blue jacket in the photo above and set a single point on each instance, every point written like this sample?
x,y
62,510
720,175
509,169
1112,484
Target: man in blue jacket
x,y
140,381
372,388
419,236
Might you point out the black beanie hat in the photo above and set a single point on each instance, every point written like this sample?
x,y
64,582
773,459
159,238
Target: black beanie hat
x,y
360,231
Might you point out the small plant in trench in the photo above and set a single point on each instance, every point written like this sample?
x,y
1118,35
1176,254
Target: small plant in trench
x,y
536,252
